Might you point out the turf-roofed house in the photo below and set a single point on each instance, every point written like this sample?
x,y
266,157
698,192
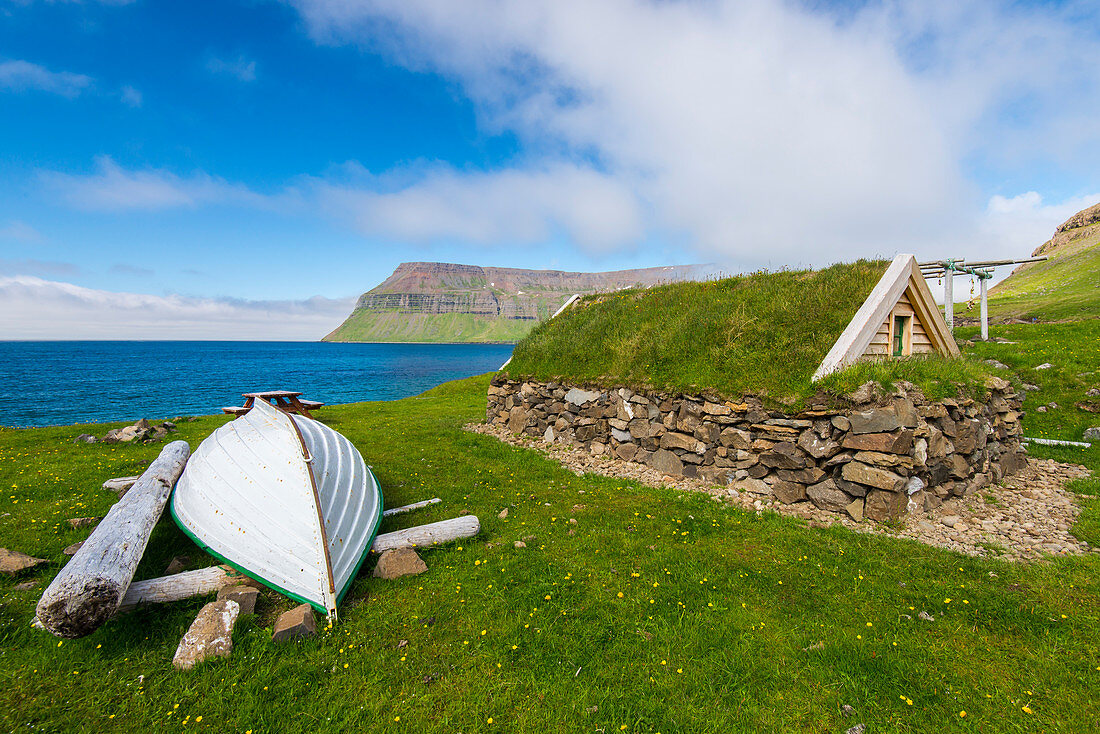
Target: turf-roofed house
x,y
842,387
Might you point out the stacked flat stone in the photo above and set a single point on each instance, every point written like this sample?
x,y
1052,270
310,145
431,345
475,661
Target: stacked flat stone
x,y
878,457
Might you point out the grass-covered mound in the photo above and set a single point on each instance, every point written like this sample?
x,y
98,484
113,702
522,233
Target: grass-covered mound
x,y
761,334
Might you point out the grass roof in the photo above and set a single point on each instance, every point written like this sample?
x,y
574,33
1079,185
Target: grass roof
x,y
763,333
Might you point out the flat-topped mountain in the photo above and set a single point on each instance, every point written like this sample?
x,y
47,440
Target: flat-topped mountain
x,y
445,302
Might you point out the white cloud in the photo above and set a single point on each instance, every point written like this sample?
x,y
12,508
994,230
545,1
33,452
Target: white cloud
x,y
112,188
1024,222
17,231
130,96
241,68
20,76
33,308
754,131
508,206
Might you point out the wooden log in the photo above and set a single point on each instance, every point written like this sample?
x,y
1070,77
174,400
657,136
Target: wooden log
x,y
410,508
179,586
89,589
466,526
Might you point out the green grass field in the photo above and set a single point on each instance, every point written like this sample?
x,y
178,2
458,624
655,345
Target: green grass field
x,y
394,326
663,612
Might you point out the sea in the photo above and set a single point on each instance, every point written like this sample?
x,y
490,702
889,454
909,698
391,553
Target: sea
x,y
65,382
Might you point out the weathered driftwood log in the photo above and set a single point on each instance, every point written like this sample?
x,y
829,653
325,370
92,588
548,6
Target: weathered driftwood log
x,y
410,508
179,586
90,587
444,531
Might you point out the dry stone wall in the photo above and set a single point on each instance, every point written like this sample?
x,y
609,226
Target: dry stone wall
x,y
880,458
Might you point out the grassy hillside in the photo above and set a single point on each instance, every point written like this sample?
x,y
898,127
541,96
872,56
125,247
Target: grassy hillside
x,y
395,326
760,334
655,611
1066,286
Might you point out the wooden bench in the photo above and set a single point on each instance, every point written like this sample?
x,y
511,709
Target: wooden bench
x,y
235,410
311,404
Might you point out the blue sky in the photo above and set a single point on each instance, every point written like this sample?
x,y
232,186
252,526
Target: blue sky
x,y
208,169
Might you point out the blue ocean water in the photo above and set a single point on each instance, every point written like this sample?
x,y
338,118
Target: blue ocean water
x,y
60,383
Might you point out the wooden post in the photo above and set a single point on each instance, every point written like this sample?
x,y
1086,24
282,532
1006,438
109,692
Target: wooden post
x,y
466,526
949,298
985,312
91,586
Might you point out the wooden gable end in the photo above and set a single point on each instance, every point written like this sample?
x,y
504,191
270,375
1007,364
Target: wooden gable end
x,y
912,338
901,292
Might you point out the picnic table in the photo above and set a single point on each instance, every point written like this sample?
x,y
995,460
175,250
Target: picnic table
x,y
286,400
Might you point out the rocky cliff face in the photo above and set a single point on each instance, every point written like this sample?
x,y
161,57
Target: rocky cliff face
x,y
449,302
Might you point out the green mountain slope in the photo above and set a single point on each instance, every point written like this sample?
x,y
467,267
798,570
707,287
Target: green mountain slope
x,y
1066,286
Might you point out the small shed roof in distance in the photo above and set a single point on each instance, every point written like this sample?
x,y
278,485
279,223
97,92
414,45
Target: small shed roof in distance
x,y
902,278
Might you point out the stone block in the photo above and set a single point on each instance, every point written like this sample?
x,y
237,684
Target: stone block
x,y
13,562
176,565
398,562
626,451
735,438
827,496
855,509
811,475
579,397
299,622
817,447
788,492
666,462
887,443
877,420
860,473
673,440
245,596
784,455
882,505
210,635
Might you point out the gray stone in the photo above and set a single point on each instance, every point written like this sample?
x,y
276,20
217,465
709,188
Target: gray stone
x,y
883,506
754,486
548,434
840,423
626,451
817,447
855,509
866,392
877,420
25,586
299,622
245,596
13,562
784,455
210,635
579,397
887,443
735,438
958,467
811,475
716,409
860,473
398,562
1044,366
85,438
519,544
674,440
852,488
517,419
788,492
906,413
893,461
1092,434
826,496
72,549
666,462
83,522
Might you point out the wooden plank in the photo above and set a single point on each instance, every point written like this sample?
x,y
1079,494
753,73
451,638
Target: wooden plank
x,y
409,508
179,586
90,587
466,526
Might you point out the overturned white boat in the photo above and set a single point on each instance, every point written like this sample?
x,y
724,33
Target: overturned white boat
x,y
286,500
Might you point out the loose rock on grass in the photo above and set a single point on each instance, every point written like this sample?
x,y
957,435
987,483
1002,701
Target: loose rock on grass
x,y
210,635
299,622
398,562
13,562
